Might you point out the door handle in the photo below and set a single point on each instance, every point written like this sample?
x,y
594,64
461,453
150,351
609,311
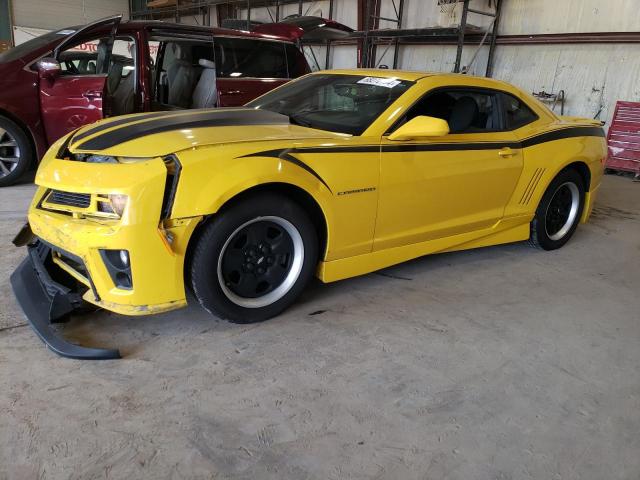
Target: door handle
x,y
231,92
92,94
506,152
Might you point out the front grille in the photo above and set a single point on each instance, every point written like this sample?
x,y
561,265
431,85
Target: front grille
x,y
80,200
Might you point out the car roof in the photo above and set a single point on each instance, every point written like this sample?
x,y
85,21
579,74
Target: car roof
x,y
378,72
414,76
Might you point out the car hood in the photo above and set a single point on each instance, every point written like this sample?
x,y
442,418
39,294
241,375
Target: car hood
x,y
162,133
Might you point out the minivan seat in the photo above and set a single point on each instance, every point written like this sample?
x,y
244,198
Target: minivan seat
x,y
180,76
206,93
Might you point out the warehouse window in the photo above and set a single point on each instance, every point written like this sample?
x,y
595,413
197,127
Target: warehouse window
x,y
517,113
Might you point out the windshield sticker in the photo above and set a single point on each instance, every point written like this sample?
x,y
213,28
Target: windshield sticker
x,y
65,32
379,82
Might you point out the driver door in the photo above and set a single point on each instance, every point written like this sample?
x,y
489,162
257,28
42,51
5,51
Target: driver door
x,y
443,186
73,99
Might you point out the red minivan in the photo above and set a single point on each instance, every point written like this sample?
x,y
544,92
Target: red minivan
x,y
62,80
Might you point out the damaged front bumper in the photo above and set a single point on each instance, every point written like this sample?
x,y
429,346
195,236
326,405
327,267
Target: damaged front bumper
x,y
45,301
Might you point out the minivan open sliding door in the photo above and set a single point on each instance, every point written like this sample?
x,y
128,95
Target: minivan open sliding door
x,y
184,71
73,99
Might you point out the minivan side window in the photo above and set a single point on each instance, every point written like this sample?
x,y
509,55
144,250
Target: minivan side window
x,y
296,63
517,113
249,58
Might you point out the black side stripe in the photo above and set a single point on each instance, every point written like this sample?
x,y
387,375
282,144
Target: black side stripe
x,y
195,119
115,123
563,133
560,134
285,154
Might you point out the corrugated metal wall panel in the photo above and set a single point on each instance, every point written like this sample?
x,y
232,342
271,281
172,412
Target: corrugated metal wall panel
x,y
344,11
55,14
437,58
593,76
569,16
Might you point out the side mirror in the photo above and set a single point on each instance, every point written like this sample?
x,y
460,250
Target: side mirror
x,y
421,127
49,68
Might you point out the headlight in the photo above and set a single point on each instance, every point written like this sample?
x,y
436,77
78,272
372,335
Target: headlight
x,y
100,159
108,159
118,202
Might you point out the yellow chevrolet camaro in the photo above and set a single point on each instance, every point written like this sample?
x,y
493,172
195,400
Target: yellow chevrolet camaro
x,y
336,174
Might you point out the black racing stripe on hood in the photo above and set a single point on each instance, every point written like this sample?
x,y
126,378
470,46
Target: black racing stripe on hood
x,y
116,123
201,119
285,154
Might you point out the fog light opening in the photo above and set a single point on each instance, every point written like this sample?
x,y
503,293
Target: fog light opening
x,y
118,264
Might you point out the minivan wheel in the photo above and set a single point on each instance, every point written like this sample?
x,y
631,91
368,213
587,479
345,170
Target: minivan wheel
x,y
559,211
16,152
254,259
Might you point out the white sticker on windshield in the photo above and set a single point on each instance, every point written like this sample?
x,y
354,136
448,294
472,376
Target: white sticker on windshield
x,y
379,82
65,32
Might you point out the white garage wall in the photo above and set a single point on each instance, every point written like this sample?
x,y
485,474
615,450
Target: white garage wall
x,y
56,14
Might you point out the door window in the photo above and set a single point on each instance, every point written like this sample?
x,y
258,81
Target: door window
x,y
465,110
90,57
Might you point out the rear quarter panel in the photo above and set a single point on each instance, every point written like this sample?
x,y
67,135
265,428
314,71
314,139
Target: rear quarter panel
x,y
543,161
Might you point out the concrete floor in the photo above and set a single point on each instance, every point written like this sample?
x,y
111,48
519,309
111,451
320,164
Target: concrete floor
x,y
500,363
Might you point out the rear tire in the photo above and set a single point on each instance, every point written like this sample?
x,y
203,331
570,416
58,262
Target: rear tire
x,y
559,211
16,152
254,259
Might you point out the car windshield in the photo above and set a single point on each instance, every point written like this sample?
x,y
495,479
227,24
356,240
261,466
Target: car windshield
x,y
32,45
334,102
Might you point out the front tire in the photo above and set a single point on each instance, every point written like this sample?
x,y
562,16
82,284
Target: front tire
x,y
254,259
559,211
16,152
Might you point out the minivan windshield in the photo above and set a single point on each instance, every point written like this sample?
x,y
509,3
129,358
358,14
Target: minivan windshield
x,y
32,45
334,102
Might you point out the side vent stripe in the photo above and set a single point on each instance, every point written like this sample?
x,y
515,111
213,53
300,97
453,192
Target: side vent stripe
x,y
526,190
531,188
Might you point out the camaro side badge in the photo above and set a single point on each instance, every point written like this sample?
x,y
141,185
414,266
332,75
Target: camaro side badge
x,y
359,190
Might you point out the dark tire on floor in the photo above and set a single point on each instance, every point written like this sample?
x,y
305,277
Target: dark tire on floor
x,y
252,261
16,152
559,211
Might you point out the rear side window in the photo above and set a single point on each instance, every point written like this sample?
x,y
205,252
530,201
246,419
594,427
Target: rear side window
x,y
248,58
517,113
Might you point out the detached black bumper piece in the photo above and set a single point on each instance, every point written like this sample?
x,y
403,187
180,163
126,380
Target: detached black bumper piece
x,y
45,301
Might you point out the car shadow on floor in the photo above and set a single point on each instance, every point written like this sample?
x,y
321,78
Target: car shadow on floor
x,y
106,329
